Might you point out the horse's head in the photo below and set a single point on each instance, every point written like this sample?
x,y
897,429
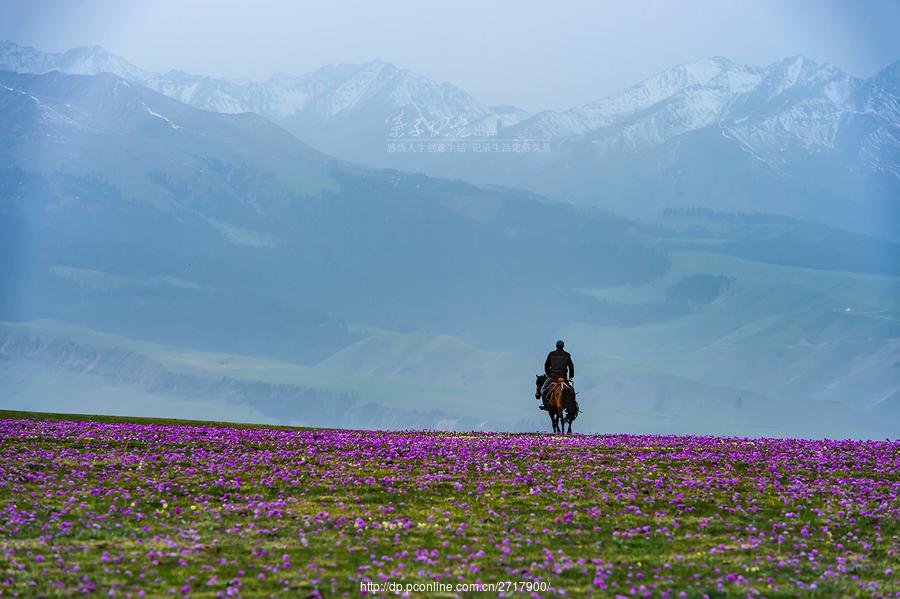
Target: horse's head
x,y
541,378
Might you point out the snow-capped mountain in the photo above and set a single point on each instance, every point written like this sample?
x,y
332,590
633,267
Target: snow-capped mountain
x,y
794,137
700,90
326,93
77,61
795,104
792,105
331,92
798,106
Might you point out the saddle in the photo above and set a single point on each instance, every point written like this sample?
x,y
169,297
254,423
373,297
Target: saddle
x,y
569,396
563,383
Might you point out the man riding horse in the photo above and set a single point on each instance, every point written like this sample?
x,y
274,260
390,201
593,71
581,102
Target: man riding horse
x,y
557,365
555,389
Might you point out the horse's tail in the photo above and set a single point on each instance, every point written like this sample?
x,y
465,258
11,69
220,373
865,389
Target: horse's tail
x,y
571,404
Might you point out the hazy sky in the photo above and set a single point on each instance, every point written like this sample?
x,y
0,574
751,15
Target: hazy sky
x,y
533,54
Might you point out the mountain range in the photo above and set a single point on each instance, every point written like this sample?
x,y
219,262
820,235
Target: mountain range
x,y
223,209
164,259
795,137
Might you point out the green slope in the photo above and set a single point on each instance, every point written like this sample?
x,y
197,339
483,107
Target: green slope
x,y
782,331
46,364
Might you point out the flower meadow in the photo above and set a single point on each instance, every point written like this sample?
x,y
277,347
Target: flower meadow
x,y
135,509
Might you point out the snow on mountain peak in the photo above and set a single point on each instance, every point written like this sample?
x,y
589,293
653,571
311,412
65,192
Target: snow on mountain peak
x,y
703,71
362,82
87,60
708,84
795,102
890,74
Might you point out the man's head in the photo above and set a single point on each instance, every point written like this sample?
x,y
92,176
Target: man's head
x,y
560,344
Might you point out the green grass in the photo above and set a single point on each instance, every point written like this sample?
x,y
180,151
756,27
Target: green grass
x,y
66,417
780,331
164,506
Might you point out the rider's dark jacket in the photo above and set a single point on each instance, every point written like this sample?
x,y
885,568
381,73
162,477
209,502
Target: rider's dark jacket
x,y
557,363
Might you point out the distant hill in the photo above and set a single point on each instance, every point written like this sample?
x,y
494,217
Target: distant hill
x,y
57,367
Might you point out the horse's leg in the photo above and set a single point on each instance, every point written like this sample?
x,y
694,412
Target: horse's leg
x,y
556,400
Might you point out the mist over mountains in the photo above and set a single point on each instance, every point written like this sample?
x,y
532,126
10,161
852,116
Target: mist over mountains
x,y
796,137
228,264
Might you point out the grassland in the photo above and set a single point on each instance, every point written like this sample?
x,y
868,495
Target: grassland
x,y
152,507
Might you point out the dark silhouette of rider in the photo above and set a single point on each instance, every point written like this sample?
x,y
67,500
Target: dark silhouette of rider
x,y
558,365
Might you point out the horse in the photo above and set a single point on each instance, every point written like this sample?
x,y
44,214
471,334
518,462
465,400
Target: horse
x,y
561,404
